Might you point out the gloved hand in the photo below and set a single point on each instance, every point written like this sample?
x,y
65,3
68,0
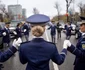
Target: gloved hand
x,y
4,33
25,30
69,44
66,44
14,32
60,26
17,42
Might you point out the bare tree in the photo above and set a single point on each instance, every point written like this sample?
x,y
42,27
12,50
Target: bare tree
x,y
1,13
58,9
68,2
77,16
80,5
82,8
4,12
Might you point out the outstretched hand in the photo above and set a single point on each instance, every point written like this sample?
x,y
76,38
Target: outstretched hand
x,y
17,42
66,44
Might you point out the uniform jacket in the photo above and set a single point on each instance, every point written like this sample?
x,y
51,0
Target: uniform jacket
x,y
79,34
6,39
27,29
38,52
53,29
79,51
58,28
68,31
19,32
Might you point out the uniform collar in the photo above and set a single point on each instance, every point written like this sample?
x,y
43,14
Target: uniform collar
x,y
83,33
37,39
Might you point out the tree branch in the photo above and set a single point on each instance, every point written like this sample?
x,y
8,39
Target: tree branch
x,y
69,3
66,1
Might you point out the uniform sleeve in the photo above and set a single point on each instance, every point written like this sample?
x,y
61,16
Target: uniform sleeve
x,y
22,58
7,54
26,27
71,28
76,52
59,58
2,32
16,30
79,44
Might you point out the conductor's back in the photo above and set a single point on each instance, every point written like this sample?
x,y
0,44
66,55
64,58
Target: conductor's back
x,y
38,52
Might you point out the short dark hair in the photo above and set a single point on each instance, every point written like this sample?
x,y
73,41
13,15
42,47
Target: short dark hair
x,y
82,24
18,24
7,23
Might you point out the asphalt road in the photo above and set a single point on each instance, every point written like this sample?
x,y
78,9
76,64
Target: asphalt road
x,y
14,64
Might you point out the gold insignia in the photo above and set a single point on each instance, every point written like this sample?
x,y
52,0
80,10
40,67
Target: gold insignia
x,y
83,46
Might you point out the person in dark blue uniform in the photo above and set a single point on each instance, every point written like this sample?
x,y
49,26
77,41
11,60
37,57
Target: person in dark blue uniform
x,y
68,31
4,56
53,31
79,50
38,52
18,31
65,27
59,29
26,30
6,35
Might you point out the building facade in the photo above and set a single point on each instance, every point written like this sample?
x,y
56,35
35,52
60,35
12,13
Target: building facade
x,y
23,14
15,11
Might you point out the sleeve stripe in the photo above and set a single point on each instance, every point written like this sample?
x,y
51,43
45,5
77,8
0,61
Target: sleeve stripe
x,y
63,53
74,50
10,50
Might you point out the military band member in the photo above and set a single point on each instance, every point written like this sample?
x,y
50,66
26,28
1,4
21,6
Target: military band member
x,y
38,52
59,29
26,30
18,31
53,31
79,50
6,35
68,31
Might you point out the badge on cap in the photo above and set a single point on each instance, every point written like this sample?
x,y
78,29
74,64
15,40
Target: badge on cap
x,y
38,19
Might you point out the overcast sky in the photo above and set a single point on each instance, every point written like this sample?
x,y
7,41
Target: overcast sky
x,y
44,6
